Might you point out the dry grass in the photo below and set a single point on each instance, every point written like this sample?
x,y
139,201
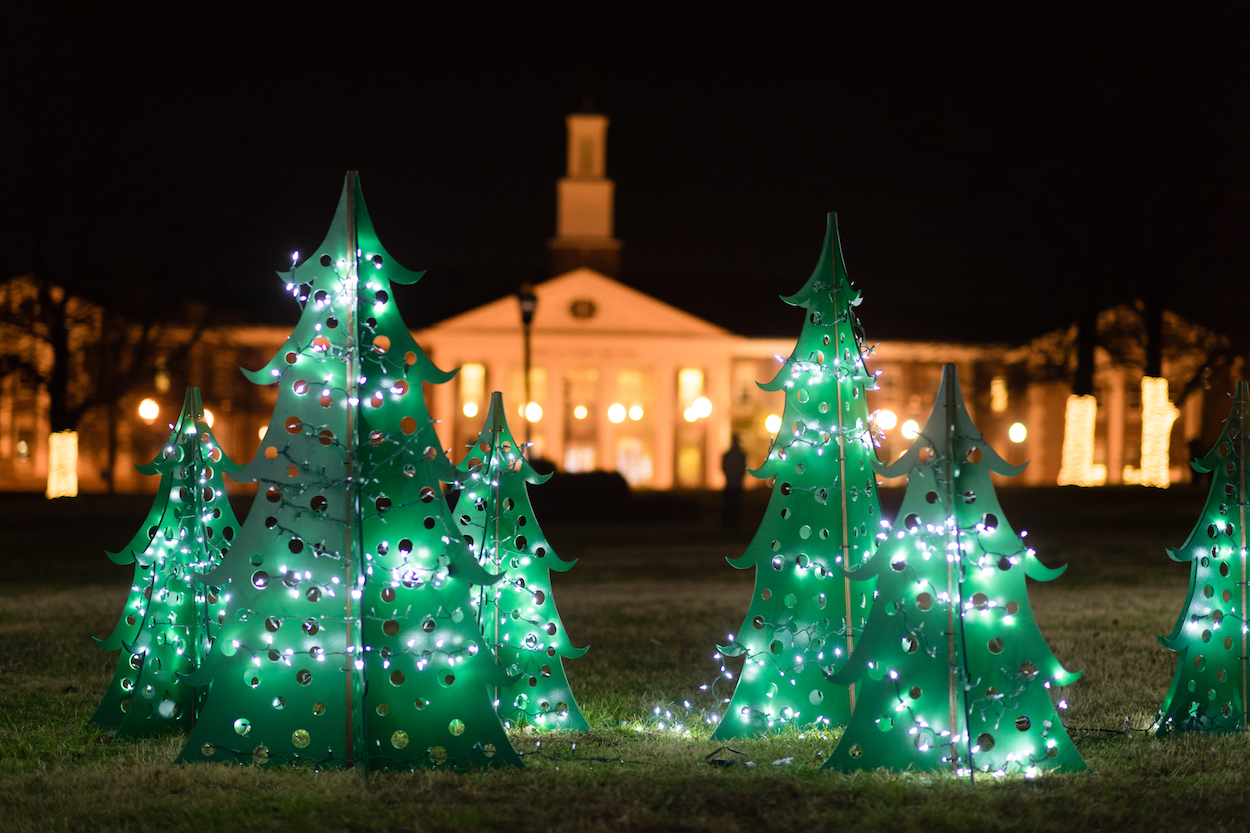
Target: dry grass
x,y
652,601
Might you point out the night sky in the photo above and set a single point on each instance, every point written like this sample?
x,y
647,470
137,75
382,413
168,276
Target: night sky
x,y
991,173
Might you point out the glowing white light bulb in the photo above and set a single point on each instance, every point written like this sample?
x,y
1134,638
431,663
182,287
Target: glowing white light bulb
x,y
911,429
702,407
886,419
208,417
580,412
149,409
470,409
616,413
773,423
1017,432
635,412
533,412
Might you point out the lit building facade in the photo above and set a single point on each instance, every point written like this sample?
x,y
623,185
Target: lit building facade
x,y
620,381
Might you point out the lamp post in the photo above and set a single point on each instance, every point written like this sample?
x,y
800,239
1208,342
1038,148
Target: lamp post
x,y
528,302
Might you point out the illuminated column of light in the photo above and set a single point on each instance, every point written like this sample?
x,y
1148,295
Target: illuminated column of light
x,y
1157,416
63,464
1078,467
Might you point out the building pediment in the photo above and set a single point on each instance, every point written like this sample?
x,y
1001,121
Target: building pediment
x,y
586,302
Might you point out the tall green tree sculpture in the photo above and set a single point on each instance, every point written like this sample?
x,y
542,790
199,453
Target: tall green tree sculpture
x,y
166,627
954,670
350,636
518,613
1208,692
823,516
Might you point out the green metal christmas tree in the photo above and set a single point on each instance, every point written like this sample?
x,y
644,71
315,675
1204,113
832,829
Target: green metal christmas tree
x,y
518,613
350,636
954,671
1208,692
165,629
823,516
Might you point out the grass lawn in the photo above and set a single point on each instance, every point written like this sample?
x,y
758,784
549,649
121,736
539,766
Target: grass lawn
x,y
652,598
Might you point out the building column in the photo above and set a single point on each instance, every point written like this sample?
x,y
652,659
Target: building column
x,y
443,410
553,414
665,422
716,387
607,431
1035,473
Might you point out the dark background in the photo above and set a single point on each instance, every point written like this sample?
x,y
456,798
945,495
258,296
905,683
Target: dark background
x,y
992,170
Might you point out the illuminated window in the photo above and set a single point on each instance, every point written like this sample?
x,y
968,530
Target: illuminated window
x,y
998,394
579,458
538,388
633,461
472,388
690,466
689,385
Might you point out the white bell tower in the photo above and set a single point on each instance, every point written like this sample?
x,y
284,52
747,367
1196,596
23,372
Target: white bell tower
x,y
584,199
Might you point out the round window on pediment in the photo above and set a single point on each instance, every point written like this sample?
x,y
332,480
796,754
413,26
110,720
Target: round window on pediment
x,y
583,308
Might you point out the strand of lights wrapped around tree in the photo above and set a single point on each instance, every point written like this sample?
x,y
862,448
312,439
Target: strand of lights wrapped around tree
x,y
823,516
62,464
1208,691
517,613
1157,415
350,636
955,673
1079,423
166,626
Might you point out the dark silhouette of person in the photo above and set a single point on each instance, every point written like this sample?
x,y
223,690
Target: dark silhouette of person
x,y
734,464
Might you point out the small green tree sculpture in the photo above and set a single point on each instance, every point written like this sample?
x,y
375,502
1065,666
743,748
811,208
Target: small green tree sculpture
x,y
954,670
165,629
350,636
518,613
823,516
1208,692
